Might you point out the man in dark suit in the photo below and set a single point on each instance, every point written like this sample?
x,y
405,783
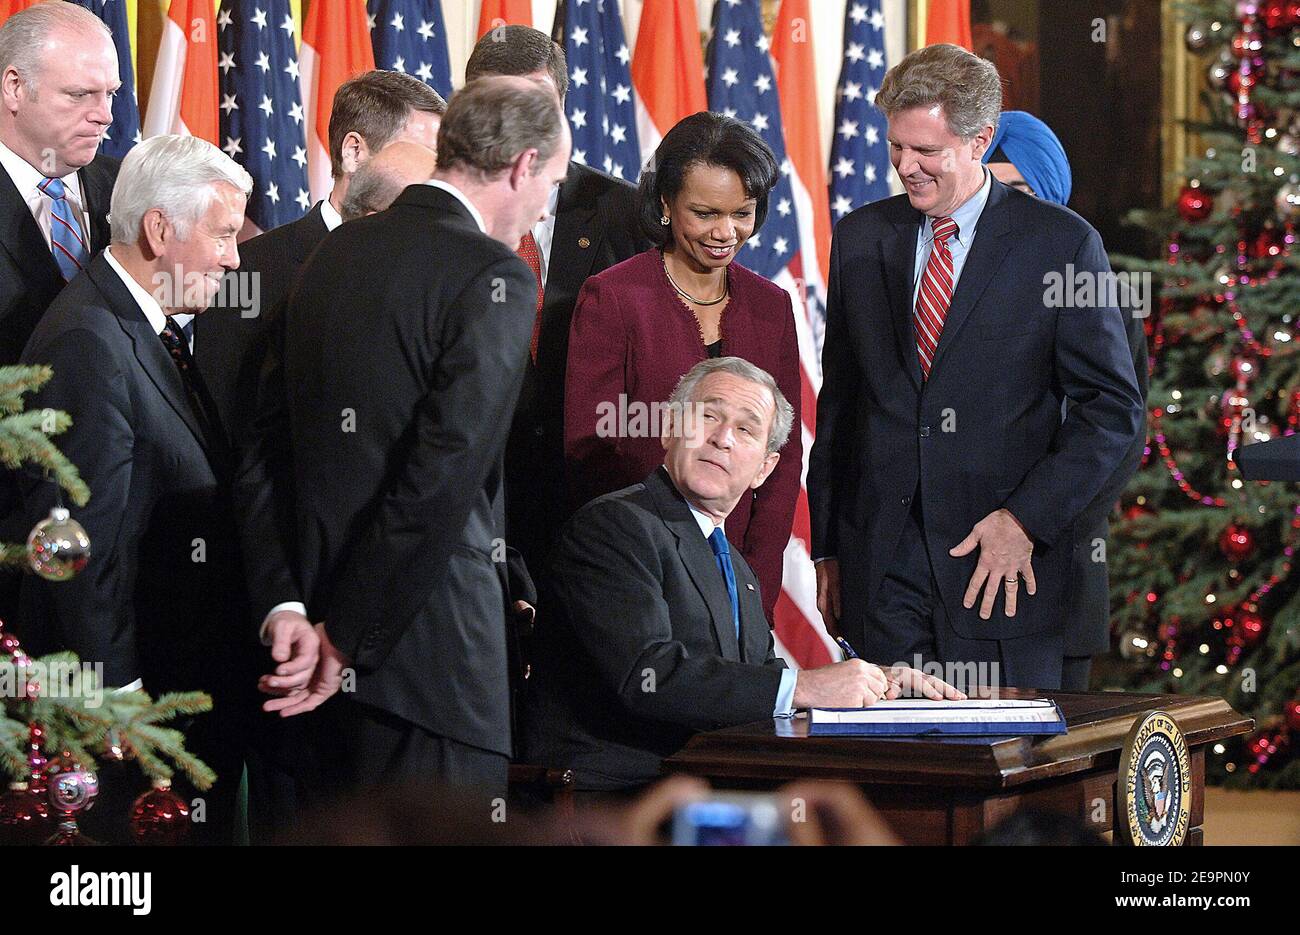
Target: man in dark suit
x,y
161,602
54,190
590,225
401,376
942,465
370,111
660,630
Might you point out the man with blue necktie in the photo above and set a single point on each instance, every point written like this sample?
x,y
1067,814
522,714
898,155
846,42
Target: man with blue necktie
x,y
58,74
659,630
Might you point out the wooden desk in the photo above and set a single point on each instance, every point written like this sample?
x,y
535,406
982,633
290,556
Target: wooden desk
x,y
950,790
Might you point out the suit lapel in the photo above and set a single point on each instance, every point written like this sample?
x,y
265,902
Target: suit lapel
x,y
898,254
149,350
96,207
308,231
570,263
21,236
753,622
987,252
697,558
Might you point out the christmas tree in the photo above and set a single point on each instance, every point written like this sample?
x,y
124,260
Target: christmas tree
x,y
56,719
1205,593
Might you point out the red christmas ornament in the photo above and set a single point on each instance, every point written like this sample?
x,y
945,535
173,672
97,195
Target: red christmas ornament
x,y
160,817
1137,511
1280,15
1269,244
1291,710
1248,629
1194,204
1237,542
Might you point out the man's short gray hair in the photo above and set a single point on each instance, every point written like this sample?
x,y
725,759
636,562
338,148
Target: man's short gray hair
x,y
174,174
490,121
23,35
782,421
965,85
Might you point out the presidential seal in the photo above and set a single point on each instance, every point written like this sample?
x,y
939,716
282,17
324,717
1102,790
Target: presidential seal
x,y
1156,777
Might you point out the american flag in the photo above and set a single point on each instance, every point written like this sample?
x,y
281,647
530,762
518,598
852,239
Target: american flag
x,y
125,131
742,84
859,162
409,36
261,112
602,113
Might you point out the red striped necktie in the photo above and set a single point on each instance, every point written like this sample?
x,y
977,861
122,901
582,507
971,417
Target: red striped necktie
x,y
936,293
531,255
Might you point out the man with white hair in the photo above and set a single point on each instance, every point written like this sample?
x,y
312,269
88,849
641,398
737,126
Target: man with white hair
x,y
161,602
58,73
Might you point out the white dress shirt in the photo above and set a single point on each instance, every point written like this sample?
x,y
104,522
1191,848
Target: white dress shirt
x,y
26,178
329,215
544,232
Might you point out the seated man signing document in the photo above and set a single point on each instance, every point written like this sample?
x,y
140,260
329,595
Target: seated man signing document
x,y
660,631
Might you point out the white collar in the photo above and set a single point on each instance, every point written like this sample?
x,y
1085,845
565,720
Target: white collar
x,y
462,198
329,215
148,304
27,178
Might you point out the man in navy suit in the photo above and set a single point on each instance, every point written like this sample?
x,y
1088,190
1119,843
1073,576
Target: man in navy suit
x,y
944,484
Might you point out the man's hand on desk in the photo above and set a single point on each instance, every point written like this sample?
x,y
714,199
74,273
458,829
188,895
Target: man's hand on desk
x,y
326,679
857,684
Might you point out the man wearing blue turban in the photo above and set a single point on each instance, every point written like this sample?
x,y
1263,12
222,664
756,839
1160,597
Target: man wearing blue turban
x,y
1025,154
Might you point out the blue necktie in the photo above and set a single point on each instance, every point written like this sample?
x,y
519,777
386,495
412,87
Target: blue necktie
x,y
65,237
722,552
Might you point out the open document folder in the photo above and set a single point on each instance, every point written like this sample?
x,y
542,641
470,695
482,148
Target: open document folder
x,y
914,716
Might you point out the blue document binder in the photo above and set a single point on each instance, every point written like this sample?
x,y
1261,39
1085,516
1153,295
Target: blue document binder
x,y
918,717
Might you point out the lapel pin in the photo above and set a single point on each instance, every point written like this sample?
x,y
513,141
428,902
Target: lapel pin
x,y
584,243
748,585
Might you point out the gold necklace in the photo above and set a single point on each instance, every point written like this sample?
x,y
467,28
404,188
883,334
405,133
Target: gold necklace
x,y
686,295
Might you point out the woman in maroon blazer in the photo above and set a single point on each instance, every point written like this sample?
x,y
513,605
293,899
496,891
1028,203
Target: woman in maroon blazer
x,y
640,325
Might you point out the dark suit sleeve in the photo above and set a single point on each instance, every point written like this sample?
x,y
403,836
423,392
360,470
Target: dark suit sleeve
x,y
609,581
1094,365
459,431
1119,478
828,462
263,491
772,512
594,378
94,608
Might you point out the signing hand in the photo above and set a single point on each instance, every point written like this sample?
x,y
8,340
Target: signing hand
x,y
1005,553
325,680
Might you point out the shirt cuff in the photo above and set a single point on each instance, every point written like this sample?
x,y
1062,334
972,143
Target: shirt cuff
x,y
785,694
296,606
824,558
